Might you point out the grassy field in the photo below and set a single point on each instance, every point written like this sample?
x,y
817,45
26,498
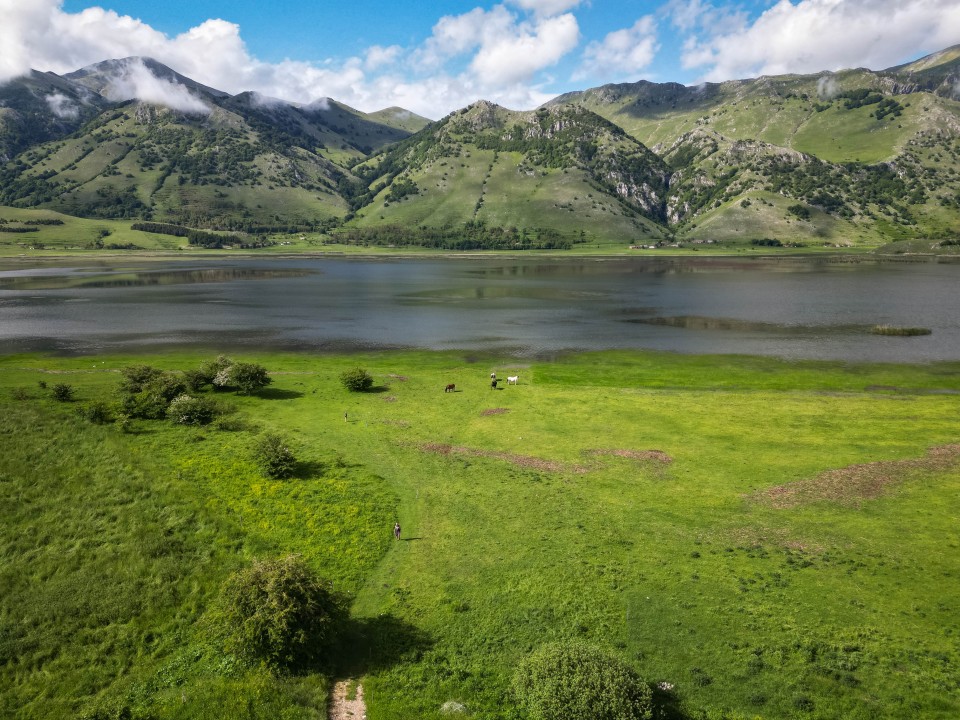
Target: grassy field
x,y
773,539
79,237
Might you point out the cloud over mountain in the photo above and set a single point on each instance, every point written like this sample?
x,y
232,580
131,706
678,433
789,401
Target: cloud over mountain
x,y
134,81
813,35
518,53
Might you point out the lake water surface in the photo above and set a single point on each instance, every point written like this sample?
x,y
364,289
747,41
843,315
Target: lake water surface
x,y
788,307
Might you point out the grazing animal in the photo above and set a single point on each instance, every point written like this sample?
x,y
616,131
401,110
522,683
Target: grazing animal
x,y
493,384
450,388
512,379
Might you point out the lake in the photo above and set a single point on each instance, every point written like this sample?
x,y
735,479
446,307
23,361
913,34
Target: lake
x,y
823,307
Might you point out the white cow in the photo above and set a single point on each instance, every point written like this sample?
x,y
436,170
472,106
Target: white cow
x,y
513,379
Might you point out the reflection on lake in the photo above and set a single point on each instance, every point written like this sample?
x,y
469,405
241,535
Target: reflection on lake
x,y
77,278
790,307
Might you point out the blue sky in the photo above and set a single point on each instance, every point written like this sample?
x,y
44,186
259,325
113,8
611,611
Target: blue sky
x,y
433,57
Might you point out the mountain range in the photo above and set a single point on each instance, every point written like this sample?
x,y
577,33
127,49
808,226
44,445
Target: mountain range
x,y
857,157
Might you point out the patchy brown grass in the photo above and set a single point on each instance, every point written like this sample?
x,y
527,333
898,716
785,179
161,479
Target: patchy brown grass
x,y
400,378
396,423
390,398
755,537
855,483
495,411
524,461
641,455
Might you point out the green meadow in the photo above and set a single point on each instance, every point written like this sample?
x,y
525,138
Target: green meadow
x,y
764,538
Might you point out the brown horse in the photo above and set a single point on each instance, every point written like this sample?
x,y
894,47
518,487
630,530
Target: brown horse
x,y
450,388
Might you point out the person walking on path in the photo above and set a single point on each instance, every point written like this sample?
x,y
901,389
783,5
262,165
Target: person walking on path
x,y
396,530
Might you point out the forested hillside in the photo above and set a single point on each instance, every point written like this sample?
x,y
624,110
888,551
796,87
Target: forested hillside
x,y
855,158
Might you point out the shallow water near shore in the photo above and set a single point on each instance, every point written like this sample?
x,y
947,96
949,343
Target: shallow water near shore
x,y
816,308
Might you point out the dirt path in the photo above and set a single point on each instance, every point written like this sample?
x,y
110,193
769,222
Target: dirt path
x,y
342,708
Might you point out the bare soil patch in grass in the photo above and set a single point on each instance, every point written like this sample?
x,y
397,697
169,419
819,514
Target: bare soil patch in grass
x,y
495,411
855,483
524,461
642,455
756,537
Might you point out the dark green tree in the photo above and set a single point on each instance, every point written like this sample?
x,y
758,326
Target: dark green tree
x,y
281,613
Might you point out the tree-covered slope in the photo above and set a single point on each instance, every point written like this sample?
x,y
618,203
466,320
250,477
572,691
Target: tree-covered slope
x,y
562,169
837,158
851,157
141,161
40,107
191,154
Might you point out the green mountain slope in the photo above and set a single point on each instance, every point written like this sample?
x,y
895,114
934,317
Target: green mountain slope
x,y
141,161
41,107
847,158
859,156
242,161
562,169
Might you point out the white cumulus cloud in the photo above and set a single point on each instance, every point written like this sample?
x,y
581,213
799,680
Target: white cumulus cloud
x,y
812,35
135,82
622,54
517,56
500,53
378,56
62,106
455,35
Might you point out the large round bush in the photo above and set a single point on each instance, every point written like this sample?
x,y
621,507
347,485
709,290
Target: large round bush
x,y
274,456
574,680
279,612
356,380
189,410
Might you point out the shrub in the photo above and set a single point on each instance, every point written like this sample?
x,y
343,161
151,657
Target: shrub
x,y
274,456
245,377
572,681
189,410
124,423
97,412
20,393
356,380
279,612
136,376
62,392
145,405
196,380
152,401
167,385
211,368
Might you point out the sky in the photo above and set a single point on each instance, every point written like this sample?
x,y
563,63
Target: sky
x,y
435,57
